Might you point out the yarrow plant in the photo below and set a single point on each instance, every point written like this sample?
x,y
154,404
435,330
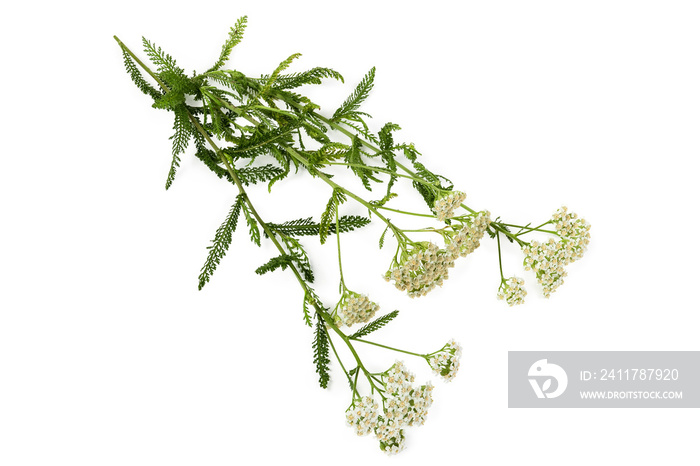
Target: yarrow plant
x,y
249,130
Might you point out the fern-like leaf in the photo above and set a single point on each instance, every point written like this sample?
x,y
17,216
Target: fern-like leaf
x,y
235,35
137,78
170,100
211,161
183,132
349,109
273,77
253,228
275,263
427,194
300,257
381,238
252,175
375,325
354,158
307,227
312,76
221,242
305,308
328,216
162,60
410,152
321,352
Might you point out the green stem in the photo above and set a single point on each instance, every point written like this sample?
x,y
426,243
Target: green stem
x,y
388,347
340,262
500,263
529,229
405,212
330,340
500,228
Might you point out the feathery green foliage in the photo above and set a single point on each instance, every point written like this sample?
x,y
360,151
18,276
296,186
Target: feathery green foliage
x,y
183,132
381,238
349,110
307,227
253,228
300,258
162,60
252,175
328,216
321,352
375,325
138,79
354,159
275,263
235,35
221,242
273,77
310,299
312,76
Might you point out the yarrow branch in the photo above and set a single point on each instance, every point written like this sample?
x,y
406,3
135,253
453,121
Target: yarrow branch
x,y
234,120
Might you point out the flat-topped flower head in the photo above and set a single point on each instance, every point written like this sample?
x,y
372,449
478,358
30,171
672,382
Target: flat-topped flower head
x,y
420,269
355,308
445,362
403,405
407,405
363,416
513,291
468,238
391,437
446,204
547,260
574,231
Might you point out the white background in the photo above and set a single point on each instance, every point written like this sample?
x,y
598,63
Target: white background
x,y
110,356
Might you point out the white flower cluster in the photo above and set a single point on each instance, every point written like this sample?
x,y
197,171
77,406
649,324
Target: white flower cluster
x,y
513,291
355,308
445,205
408,405
573,230
549,259
468,237
445,362
426,265
405,405
422,270
363,416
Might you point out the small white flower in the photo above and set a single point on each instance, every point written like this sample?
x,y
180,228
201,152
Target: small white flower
x,y
447,204
445,363
354,308
513,291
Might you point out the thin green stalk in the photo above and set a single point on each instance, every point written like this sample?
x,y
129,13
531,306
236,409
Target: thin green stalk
x,y
388,347
340,262
500,263
405,212
335,352
500,228
529,228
